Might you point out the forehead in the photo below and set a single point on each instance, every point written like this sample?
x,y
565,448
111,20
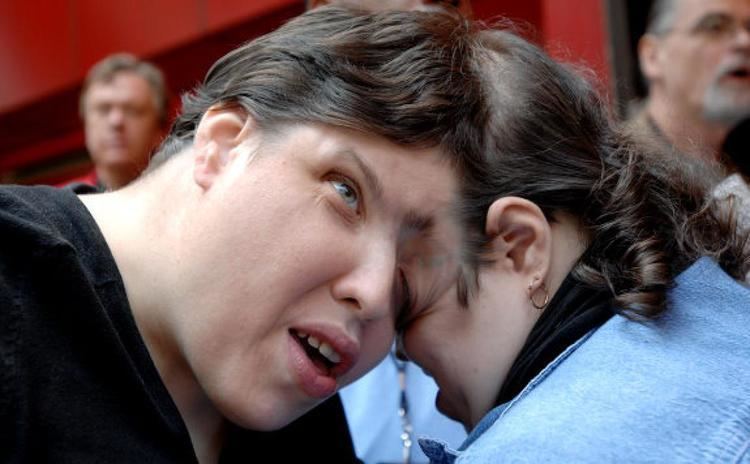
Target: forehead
x,y
124,86
689,11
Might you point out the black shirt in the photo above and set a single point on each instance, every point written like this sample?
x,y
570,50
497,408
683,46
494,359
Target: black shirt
x,y
76,381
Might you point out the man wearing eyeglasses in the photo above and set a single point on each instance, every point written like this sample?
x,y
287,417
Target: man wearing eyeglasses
x,y
695,56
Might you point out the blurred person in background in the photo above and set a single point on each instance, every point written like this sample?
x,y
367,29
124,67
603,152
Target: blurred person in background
x,y
393,405
695,56
124,110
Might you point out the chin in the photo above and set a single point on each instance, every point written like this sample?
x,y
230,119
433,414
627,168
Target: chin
x,y
446,408
266,416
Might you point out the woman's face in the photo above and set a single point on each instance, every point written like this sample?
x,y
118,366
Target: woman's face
x,y
468,351
298,260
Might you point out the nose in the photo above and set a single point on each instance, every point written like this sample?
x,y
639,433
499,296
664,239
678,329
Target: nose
x,y
116,116
742,35
368,286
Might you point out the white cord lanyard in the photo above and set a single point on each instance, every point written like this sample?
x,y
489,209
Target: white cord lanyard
x,y
403,410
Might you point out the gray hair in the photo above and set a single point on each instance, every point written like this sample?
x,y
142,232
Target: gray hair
x,y
661,17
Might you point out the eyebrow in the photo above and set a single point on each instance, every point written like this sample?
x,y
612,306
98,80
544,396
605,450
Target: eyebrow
x,y
414,220
710,16
372,180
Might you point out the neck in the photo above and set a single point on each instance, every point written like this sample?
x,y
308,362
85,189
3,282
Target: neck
x,y
569,242
142,224
687,130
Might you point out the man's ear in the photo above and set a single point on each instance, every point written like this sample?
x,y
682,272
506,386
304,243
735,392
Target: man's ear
x,y
648,57
219,132
521,237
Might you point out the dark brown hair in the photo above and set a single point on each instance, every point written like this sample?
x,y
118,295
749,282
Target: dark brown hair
x,y
551,140
661,17
405,76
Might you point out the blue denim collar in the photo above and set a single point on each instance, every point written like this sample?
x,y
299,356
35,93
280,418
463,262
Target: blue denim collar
x,y
440,453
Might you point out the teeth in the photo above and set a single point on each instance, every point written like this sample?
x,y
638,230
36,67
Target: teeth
x,y
326,350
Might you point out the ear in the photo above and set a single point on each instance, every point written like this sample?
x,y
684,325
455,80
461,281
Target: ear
x,y
521,238
220,131
648,56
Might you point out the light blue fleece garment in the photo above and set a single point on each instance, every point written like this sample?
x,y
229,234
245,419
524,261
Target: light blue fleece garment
x,y
673,390
371,405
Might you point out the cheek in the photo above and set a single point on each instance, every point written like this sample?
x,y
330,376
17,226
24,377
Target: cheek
x,y
94,134
431,342
143,129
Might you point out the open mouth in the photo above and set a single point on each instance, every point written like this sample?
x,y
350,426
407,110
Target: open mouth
x,y
323,356
738,71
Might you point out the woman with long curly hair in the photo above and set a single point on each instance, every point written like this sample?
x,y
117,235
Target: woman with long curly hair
x,y
605,320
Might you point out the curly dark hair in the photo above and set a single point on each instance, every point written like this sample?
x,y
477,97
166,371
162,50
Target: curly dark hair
x,y
552,141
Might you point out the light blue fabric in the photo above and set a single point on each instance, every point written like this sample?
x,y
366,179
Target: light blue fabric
x,y
371,406
673,390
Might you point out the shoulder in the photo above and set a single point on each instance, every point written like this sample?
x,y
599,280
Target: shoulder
x,y
675,388
89,179
30,213
736,187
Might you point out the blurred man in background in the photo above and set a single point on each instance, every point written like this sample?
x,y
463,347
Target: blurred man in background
x,y
124,109
695,56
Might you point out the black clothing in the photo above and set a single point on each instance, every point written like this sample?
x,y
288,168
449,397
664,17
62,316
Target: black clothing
x,y
737,147
575,310
77,383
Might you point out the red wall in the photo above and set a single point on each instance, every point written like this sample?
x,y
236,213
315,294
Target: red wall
x,y
48,47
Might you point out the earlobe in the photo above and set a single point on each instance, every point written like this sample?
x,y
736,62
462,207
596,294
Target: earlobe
x,y
220,131
520,236
206,166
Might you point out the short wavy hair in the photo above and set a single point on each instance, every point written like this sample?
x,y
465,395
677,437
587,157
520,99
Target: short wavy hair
x,y
405,76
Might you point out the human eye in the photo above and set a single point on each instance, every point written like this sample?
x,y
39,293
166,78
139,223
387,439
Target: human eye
x,y
348,192
133,111
102,109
